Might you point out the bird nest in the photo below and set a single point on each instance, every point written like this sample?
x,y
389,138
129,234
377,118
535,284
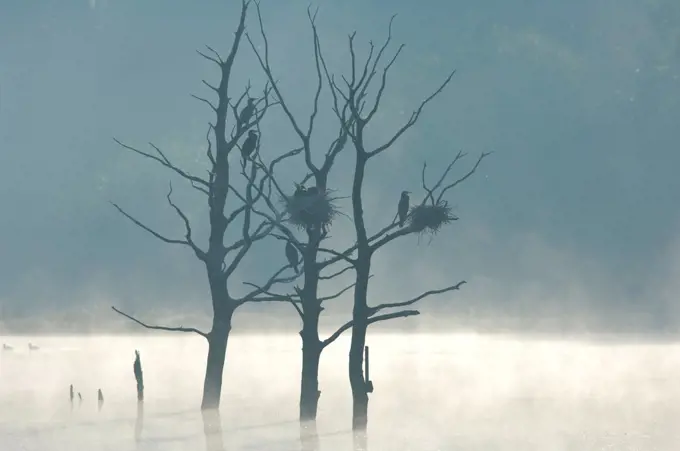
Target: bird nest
x,y
430,218
310,208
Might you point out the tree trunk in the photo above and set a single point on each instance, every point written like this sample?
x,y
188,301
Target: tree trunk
x,y
212,430
217,349
356,377
311,345
356,351
360,309
309,383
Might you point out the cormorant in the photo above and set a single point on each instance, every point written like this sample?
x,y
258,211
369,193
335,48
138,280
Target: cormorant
x,y
249,145
403,207
300,190
247,112
312,191
292,255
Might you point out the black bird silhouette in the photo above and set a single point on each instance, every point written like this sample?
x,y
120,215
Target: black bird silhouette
x,y
247,112
292,255
403,207
300,190
312,191
249,145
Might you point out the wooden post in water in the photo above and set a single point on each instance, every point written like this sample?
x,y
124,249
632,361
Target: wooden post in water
x,y
70,395
139,377
369,383
100,399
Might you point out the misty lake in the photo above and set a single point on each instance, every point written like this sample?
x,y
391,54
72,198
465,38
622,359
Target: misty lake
x,y
432,392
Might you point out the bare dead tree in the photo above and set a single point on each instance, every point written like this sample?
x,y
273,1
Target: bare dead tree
x,y
230,207
432,213
307,299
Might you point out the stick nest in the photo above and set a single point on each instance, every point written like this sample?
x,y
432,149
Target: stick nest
x,y
430,218
308,209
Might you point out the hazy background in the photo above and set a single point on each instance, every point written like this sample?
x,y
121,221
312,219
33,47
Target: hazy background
x,y
571,226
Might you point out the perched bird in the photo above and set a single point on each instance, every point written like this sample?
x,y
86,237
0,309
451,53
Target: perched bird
x,y
403,207
249,145
300,190
70,393
312,191
7,347
292,255
33,347
247,112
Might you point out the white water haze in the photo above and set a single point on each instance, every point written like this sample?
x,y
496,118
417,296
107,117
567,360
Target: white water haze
x,y
568,233
432,392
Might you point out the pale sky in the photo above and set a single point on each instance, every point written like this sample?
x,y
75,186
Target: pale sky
x,y
573,220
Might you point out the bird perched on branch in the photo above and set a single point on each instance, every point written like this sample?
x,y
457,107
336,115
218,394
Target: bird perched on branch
x,y
312,191
249,145
292,255
300,190
247,112
402,209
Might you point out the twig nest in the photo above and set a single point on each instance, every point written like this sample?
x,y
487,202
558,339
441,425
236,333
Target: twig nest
x,y
430,218
308,208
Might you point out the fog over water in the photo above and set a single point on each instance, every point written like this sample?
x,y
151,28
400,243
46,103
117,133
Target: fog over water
x,y
432,392
565,336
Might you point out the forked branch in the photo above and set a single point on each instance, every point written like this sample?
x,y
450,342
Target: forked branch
x,y
373,310
375,319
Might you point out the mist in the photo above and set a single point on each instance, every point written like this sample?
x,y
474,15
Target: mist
x,y
568,234
455,391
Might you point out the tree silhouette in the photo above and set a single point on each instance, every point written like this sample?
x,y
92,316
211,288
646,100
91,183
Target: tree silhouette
x,y
230,208
433,212
429,215
307,299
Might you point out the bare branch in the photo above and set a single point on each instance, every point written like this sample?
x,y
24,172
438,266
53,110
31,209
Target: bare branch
x,y
377,308
339,256
338,294
463,178
165,328
263,59
336,274
265,289
273,297
149,229
413,119
210,86
348,325
210,58
163,160
206,101
188,235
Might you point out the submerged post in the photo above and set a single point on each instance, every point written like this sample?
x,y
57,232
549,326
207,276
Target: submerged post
x,y
71,395
369,383
139,377
100,399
